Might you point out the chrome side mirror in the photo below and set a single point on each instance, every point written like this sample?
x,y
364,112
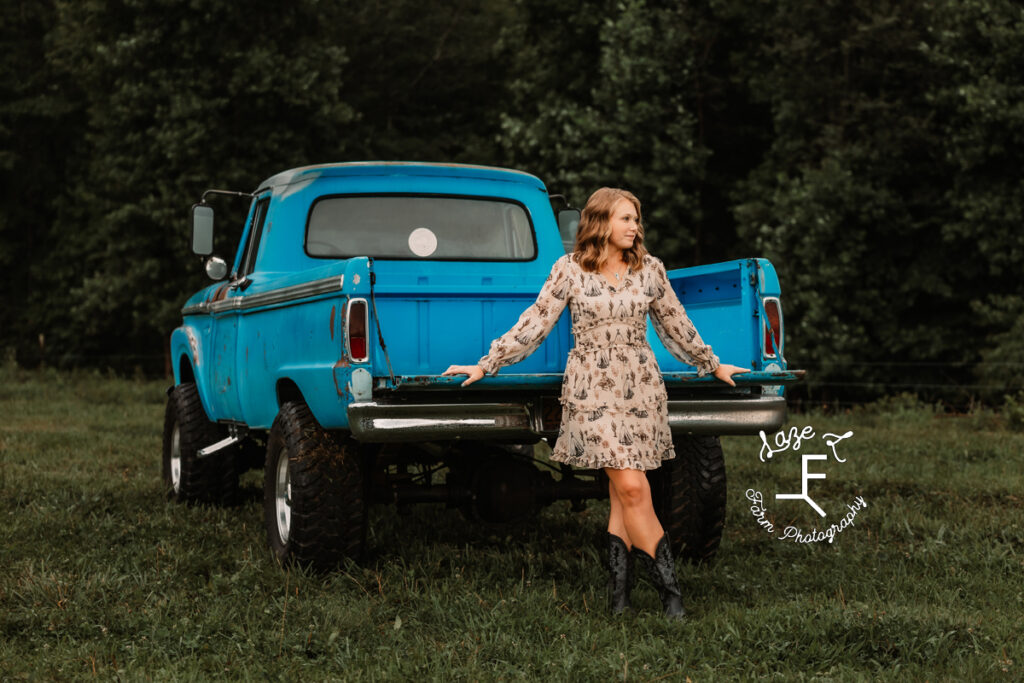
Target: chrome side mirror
x,y
568,225
202,231
216,268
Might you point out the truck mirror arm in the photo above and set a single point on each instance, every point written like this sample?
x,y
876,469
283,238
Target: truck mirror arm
x,y
227,193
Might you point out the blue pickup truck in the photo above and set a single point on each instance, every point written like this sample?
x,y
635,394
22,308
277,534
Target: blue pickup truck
x,y
317,356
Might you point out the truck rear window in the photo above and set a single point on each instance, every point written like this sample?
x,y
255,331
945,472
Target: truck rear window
x,y
420,227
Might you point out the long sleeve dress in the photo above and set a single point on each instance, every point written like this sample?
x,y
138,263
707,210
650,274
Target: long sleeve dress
x,y
614,404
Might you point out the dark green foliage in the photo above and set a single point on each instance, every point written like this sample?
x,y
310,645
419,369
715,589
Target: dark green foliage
x,y
864,200
425,79
174,97
981,45
862,147
867,148
178,96
39,124
848,202
602,96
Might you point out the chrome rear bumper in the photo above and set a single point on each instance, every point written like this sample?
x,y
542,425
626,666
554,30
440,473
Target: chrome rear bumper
x,y
522,422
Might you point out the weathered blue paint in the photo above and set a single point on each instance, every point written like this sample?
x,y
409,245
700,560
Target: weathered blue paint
x,y
285,323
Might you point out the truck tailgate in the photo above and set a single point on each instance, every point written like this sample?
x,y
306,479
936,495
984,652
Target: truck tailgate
x,y
432,321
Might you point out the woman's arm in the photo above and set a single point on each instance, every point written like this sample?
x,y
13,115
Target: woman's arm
x,y
677,332
529,331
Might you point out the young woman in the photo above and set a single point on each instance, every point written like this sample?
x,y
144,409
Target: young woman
x,y
614,410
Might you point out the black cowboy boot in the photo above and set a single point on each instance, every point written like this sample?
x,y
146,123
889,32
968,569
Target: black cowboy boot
x,y
662,571
620,574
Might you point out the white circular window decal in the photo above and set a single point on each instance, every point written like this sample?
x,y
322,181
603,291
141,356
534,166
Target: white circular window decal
x,y
423,241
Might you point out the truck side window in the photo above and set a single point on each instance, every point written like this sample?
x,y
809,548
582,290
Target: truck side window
x,y
259,217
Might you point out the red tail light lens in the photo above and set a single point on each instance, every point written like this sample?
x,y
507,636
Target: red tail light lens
x,y
358,349
772,328
357,321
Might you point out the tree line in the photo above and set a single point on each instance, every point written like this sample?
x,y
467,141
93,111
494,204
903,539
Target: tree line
x,y
868,148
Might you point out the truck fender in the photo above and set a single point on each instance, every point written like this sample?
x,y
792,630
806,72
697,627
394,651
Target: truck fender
x,y
187,362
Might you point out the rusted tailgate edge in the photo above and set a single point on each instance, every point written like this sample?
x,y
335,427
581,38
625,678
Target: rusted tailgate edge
x,y
550,380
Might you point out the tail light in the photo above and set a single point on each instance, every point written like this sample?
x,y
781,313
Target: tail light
x,y
357,324
772,328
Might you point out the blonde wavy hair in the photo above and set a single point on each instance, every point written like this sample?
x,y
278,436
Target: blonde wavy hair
x,y
595,229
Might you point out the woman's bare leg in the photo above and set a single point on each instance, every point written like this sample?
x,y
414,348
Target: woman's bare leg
x,y
616,524
633,494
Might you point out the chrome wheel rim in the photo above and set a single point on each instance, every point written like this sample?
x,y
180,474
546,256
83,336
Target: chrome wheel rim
x,y
176,458
283,498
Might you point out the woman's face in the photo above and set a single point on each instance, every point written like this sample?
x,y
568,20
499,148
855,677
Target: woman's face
x,y
624,223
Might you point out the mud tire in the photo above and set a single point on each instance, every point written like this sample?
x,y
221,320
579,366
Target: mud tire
x,y
188,478
689,495
326,499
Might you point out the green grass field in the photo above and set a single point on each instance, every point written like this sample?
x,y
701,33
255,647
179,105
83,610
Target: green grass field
x,y
101,577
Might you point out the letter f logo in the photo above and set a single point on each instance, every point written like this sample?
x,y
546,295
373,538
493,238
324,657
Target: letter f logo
x,y
803,489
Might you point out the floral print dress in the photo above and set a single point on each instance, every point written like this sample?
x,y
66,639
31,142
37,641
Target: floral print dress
x,y
614,404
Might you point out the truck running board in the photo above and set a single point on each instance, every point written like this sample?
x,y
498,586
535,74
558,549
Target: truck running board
x,y
220,445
